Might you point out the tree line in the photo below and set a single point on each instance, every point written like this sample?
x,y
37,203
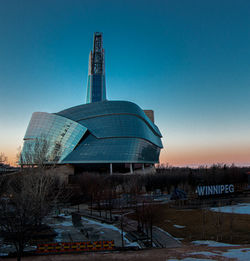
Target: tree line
x,y
166,179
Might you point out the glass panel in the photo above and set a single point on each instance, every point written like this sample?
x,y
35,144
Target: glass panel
x,y
48,137
121,150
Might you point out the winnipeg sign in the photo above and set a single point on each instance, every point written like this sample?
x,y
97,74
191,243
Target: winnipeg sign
x,y
214,190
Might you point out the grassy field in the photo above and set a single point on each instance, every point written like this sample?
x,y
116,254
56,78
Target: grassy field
x,y
204,225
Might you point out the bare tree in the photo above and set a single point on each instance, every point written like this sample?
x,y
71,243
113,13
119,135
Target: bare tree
x,y
3,158
150,219
110,199
40,152
218,223
232,216
122,226
35,152
28,199
204,212
89,187
147,214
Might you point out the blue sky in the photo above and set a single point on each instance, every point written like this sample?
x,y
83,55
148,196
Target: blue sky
x,y
187,60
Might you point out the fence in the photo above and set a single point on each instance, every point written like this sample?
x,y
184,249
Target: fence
x,y
62,247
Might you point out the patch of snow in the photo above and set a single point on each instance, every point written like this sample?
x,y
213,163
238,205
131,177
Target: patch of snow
x,y
30,247
67,216
104,225
189,259
195,259
242,208
111,227
66,224
135,244
179,238
178,226
6,249
204,253
242,254
59,232
211,243
6,246
61,215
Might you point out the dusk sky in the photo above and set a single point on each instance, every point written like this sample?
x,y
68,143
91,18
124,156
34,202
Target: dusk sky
x,y
187,60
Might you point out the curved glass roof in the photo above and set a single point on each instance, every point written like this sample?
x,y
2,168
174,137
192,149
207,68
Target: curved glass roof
x,y
98,109
121,125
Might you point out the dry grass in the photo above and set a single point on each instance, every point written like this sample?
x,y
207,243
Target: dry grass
x,y
198,229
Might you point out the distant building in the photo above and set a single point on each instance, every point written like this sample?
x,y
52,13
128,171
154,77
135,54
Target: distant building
x,y
101,135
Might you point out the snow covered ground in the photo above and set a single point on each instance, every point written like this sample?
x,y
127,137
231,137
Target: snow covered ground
x,y
241,254
61,227
5,249
242,208
178,226
189,259
211,243
204,253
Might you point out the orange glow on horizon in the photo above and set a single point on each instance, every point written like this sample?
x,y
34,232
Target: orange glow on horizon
x,y
205,156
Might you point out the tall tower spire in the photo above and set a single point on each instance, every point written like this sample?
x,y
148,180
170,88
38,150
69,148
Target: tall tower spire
x,y
96,88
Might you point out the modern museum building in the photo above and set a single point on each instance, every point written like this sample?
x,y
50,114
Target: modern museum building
x,y
101,135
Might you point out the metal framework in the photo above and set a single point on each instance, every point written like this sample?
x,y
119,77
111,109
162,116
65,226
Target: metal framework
x,y
96,87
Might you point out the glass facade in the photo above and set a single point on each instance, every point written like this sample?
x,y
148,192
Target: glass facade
x,y
121,125
101,132
119,132
114,150
50,137
96,90
96,86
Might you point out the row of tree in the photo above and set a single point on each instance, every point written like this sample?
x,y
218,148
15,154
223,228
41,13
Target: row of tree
x,y
97,187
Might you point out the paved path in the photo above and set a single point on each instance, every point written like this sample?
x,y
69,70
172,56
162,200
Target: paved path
x,y
160,237
164,239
